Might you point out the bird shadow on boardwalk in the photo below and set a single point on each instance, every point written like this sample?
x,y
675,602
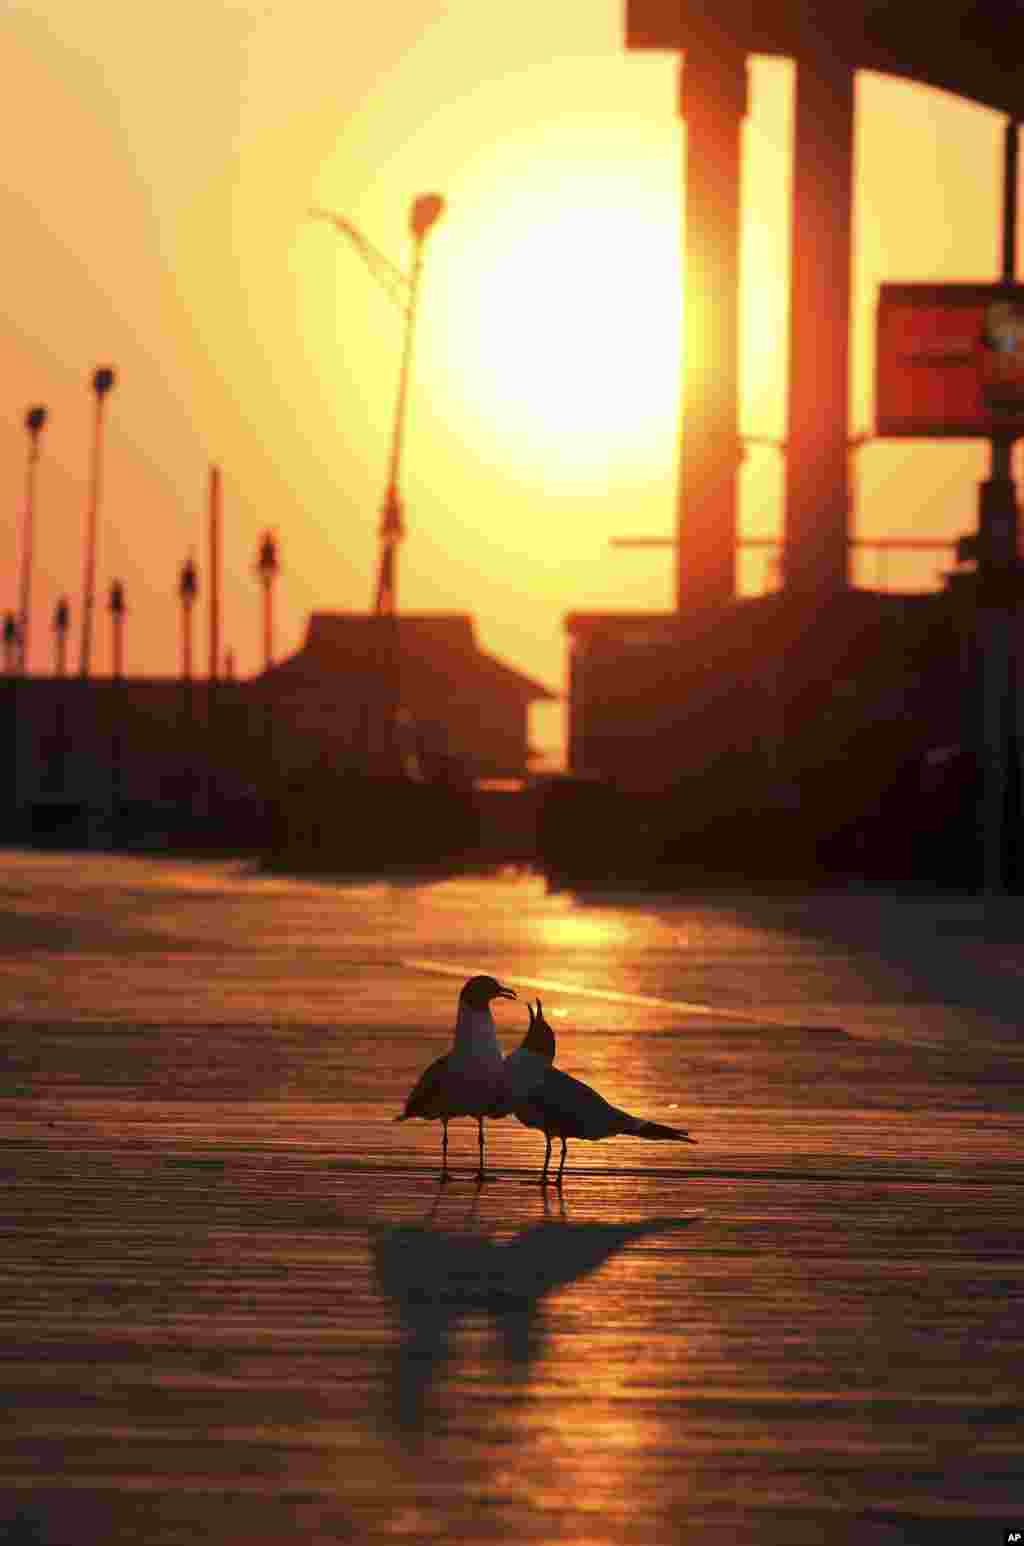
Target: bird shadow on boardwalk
x,y
440,1278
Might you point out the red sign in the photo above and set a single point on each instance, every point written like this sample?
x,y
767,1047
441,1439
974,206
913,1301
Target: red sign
x,y
950,360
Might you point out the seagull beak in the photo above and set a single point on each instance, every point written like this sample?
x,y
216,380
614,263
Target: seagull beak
x,y
506,992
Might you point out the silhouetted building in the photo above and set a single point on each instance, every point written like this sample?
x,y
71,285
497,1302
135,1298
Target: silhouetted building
x,y
457,707
170,761
852,729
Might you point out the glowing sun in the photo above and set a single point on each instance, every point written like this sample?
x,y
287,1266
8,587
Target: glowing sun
x,y
562,309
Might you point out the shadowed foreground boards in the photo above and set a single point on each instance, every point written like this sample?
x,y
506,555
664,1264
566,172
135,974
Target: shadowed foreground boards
x,y
231,1311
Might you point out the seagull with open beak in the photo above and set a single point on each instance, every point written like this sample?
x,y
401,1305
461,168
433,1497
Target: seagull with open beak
x,y
469,1080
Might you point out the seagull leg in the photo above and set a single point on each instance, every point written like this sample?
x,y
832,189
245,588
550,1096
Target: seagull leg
x,y
444,1149
480,1140
558,1178
547,1160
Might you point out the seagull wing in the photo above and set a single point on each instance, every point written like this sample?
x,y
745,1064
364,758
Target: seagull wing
x,y
427,1097
571,1109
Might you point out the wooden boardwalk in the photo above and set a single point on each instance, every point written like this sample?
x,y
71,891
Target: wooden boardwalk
x,y
236,1306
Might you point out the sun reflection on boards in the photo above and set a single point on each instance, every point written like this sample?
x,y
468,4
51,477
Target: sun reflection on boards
x,y
582,930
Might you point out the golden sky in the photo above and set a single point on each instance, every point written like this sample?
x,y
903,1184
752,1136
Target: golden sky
x,y
158,166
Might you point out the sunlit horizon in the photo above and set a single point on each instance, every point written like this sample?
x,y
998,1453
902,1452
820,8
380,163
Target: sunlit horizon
x,y
544,409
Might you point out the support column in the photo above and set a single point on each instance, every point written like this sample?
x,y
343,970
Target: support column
x,y
713,102
817,465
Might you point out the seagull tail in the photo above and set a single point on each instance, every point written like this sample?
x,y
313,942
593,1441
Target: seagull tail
x,y
659,1130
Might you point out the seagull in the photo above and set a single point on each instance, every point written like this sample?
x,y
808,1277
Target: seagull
x,y
541,1096
468,1081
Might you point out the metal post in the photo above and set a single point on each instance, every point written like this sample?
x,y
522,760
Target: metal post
x,y
214,572
34,421
10,644
268,567
188,586
102,381
12,749
212,696
117,610
61,624
117,656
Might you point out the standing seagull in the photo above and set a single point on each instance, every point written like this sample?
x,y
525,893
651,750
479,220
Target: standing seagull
x,y
468,1081
541,1096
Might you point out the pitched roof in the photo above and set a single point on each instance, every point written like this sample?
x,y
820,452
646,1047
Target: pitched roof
x,y
443,643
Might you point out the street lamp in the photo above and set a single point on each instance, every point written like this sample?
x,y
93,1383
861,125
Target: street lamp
x,y
10,643
403,290
117,611
425,213
35,418
268,567
61,624
188,588
102,381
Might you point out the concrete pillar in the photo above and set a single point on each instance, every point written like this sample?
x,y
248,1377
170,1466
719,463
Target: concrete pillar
x,y
713,102
817,464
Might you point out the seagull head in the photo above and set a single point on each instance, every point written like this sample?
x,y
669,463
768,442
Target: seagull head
x,y
540,1038
479,991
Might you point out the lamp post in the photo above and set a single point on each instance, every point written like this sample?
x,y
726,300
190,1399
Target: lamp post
x,y
268,568
188,589
11,801
35,418
102,381
61,624
403,290
425,213
117,611
10,643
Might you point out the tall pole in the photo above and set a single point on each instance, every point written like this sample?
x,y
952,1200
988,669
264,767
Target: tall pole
x,y
214,572
102,381
34,421
997,585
